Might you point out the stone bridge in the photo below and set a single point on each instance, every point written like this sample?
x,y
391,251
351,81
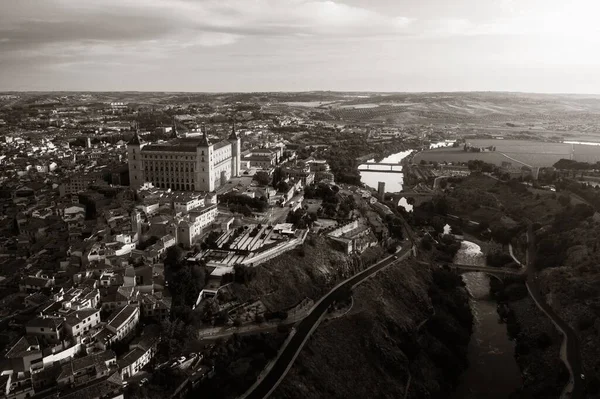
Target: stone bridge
x,y
497,272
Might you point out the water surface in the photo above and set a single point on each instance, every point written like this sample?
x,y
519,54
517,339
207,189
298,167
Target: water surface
x,y
493,372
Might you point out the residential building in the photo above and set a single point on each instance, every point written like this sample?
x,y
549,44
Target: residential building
x,y
141,352
49,330
191,227
124,321
81,321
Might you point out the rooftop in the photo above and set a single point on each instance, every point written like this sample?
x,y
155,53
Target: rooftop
x,y
25,345
98,359
122,316
97,389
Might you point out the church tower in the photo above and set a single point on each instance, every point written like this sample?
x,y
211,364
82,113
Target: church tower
x,y
236,152
134,160
204,164
136,224
174,134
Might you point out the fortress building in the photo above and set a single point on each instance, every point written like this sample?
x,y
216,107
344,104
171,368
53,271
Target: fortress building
x,y
184,164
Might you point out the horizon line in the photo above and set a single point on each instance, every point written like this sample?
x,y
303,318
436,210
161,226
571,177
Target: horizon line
x,y
305,91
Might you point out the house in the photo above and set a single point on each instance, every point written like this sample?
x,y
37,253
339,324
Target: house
x,y
81,321
49,330
35,283
124,321
140,353
155,305
80,371
25,352
116,297
110,387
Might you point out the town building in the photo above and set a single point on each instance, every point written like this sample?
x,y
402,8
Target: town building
x,y
124,321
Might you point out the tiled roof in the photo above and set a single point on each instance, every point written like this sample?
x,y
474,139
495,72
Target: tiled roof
x,y
97,359
121,316
97,389
47,322
21,348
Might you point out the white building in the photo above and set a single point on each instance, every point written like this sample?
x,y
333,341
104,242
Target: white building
x,y
124,321
186,164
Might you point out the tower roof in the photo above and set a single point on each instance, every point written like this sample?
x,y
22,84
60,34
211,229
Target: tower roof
x,y
135,140
204,142
233,135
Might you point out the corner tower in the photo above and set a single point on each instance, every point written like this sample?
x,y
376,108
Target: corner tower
x,y
204,164
134,160
236,151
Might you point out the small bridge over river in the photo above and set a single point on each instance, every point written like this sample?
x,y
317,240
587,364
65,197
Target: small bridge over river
x,y
381,167
498,272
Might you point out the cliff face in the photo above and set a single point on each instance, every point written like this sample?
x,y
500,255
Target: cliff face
x,y
390,333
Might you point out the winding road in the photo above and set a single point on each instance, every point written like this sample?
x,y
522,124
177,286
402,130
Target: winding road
x,y
570,350
277,370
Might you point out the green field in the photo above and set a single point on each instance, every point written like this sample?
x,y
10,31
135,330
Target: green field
x,y
531,153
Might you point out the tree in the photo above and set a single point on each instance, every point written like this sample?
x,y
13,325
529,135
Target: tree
x,y
283,187
174,256
262,178
440,204
564,200
278,175
501,235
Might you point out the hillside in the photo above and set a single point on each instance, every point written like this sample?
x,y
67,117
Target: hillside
x,y
370,351
307,271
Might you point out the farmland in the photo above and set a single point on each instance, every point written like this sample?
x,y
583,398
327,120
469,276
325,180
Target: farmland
x,y
532,153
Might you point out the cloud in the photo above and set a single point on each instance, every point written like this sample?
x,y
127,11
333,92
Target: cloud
x,y
207,22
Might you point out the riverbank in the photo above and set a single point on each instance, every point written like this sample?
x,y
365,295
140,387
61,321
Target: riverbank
x,y
493,372
538,343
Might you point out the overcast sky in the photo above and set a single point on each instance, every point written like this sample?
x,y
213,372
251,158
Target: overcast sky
x,y
296,45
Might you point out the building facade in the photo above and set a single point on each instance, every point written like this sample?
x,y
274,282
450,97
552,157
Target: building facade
x,y
184,164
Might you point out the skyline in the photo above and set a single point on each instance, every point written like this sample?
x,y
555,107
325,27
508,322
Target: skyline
x,y
528,46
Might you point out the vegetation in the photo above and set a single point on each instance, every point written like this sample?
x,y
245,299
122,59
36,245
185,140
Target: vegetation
x,y
243,203
386,345
185,279
237,363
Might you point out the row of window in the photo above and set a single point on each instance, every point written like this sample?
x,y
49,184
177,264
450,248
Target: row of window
x,y
175,186
170,168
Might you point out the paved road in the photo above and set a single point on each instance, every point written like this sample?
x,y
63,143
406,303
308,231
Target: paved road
x,y
573,351
264,387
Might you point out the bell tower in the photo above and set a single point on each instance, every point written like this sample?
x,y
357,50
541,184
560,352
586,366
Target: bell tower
x,y
236,151
134,160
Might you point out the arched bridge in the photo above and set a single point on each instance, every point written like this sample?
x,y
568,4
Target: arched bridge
x,y
498,272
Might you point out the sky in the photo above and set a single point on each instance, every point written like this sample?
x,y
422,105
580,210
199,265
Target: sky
x,y
547,46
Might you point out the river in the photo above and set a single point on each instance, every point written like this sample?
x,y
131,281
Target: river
x,y
493,372
393,181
